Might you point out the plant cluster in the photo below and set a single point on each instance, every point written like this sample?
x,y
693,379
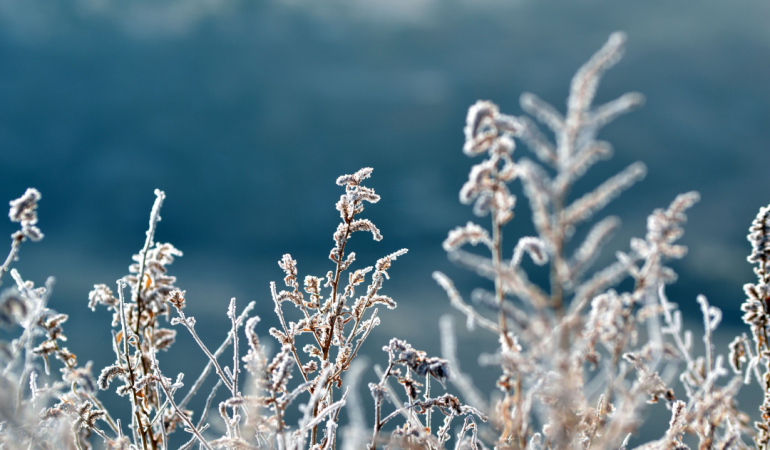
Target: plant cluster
x,y
579,359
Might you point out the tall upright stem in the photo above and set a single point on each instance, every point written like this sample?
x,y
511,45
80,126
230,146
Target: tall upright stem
x,y
136,418
497,244
330,334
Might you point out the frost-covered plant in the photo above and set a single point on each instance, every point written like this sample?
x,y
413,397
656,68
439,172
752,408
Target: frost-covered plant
x,y
579,359
336,322
25,419
756,315
339,321
567,353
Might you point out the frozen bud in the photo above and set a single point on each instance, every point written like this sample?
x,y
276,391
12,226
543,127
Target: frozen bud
x,y
82,376
310,367
356,178
120,443
289,266
503,146
737,354
470,233
32,233
480,130
366,225
534,247
313,285
101,295
176,298
23,209
164,338
108,373
378,392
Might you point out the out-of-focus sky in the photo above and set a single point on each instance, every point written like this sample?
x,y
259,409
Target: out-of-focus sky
x,y
245,112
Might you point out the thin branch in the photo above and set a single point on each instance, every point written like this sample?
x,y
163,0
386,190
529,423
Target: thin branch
x,y
170,396
207,370
212,359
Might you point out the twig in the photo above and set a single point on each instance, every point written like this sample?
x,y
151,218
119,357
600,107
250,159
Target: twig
x,y
279,313
236,357
209,399
179,412
212,359
136,420
206,370
15,246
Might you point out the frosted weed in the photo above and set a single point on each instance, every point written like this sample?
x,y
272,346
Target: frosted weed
x,y
575,372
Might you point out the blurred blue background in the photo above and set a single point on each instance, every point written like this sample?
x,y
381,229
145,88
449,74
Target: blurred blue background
x,y
245,112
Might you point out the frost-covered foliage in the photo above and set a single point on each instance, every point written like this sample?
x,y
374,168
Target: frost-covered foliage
x,y
576,372
579,358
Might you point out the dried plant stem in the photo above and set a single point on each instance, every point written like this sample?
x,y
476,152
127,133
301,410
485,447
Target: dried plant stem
x,y
206,370
279,422
154,218
326,345
93,399
15,246
417,426
205,349
188,445
77,441
234,390
107,417
163,435
427,396
378,407
159,414
207,406
279,313
358,344
307,316
338,271
670,323
99,432
136,419
497,244
136,298
557,287
181,413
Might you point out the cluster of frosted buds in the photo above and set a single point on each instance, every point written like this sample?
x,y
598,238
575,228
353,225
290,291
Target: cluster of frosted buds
x,y
84,415
51,324
280,369
759,236
350,204
610,322
156,284
24,210
755,309
417,360
758,295
664,227
487,130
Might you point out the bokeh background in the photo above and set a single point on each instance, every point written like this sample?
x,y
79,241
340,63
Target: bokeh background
x,y
245,112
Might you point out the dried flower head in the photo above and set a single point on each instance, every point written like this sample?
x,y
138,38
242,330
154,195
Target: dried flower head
x,y
24,208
